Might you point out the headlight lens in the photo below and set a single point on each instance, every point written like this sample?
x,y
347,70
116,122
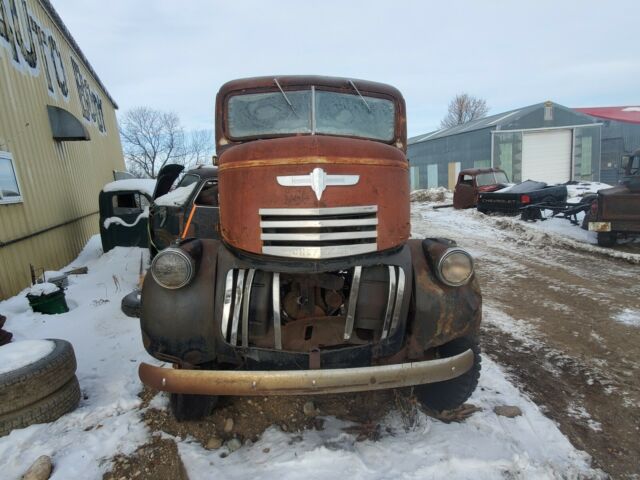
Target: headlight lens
x,y
172,268
455,267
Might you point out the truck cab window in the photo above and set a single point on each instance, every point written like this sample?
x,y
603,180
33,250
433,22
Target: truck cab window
x,y
129,203
208,196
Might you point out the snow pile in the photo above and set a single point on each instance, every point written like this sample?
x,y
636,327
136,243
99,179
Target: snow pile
x,y
20,354
144,185
439,194
175,198
485,446
578,190
44,288
108,349
118,221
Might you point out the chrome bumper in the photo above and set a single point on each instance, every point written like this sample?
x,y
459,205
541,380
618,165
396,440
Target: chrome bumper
x,y
304,382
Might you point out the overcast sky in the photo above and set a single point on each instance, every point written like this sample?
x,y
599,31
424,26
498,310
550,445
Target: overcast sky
x,y
174,55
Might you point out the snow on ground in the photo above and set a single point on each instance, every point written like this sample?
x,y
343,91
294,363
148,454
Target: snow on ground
x,y
628,317
20,354
108,348
485,446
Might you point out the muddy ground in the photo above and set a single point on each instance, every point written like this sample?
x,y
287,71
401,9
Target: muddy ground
x,y
554,318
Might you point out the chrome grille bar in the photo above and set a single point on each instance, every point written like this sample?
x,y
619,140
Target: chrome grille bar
x,y
311,237
351,222
245,307
226,309
277,330
366,209
399,296
353,299
390,302
236,307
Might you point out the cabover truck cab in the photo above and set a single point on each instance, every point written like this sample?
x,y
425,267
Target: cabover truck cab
x,y
616,212
472,181
314,286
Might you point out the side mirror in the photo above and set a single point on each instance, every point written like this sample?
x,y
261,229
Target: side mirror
x,y
214,159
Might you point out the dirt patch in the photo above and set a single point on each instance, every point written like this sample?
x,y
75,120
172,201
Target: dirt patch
x,y
251,416
157,459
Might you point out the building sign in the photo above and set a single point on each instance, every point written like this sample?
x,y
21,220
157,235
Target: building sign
x,y
34,50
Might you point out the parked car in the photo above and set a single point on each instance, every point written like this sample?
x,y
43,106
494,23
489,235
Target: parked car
x,y
616,212
510,200
189,210
473,181
315,286
124,211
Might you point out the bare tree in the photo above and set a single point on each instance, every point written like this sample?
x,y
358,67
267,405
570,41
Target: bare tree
x,y
153,138
464,108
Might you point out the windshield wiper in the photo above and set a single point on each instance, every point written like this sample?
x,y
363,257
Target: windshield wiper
x,y
358,92
286,99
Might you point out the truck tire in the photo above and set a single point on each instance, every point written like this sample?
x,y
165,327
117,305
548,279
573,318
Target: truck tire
x,y
33,382
452,393
186,407
607,239
47,409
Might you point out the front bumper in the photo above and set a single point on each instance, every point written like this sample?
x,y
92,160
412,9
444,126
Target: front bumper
x,y
304,382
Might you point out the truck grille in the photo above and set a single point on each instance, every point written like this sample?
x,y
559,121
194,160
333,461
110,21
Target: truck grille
x,y
319,232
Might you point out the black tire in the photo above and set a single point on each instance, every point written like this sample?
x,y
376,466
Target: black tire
x,y
45,410
607,239
131,304
452,393
187,407
28,384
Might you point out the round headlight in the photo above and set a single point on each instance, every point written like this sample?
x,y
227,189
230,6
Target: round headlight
x,y
172,268
455,267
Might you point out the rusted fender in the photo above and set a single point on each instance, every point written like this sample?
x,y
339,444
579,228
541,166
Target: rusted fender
x,y
304,382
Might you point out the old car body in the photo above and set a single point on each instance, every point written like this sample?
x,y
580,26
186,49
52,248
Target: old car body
x,y
511,200
124,210
190,210
473,181
616,211
314,285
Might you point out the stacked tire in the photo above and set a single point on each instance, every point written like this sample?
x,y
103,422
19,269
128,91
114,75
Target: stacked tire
x,y
39,392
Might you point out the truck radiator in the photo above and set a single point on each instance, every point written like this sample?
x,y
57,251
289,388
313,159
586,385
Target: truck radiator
x,y
319,233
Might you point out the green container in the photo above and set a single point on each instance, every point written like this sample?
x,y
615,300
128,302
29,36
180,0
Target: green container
x,y
49,304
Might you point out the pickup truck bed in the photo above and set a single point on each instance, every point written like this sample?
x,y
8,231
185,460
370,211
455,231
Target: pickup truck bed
x,y
510,200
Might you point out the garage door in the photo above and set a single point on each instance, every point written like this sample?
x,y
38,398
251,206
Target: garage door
x,y
546,156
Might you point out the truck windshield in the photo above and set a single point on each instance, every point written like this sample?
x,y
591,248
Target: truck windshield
x,y
491,178
268,114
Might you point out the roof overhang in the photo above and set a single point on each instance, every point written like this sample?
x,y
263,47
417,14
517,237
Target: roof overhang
x,y
65,127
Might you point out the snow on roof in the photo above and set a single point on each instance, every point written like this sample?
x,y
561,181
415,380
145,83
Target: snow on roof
x,y
629,114
144,185
177,197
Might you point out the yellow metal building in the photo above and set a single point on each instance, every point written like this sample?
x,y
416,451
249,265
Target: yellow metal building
x,y
59,143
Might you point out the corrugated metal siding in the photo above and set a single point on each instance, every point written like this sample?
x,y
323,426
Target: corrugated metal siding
x,y
59,181
618,138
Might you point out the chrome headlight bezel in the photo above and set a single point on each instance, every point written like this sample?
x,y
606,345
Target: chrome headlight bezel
x,y
447,254
189,266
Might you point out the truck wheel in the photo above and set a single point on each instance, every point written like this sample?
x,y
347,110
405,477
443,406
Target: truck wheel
x,y
607,239
452,393
47,409
187,407
28,384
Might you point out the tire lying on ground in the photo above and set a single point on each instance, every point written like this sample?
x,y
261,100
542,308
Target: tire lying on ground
x,y
36,389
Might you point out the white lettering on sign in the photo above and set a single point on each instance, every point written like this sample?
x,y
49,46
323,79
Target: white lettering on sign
x,y
33,49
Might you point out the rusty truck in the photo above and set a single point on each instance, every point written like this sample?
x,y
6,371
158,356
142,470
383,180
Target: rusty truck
x,y
616,211
315,285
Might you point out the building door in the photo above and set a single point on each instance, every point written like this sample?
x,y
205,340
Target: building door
x,y
454,170
546,156
432,175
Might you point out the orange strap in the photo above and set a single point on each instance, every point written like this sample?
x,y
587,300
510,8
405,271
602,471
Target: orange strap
x,y
186,228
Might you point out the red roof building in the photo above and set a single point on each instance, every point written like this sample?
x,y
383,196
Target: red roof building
x,y
629,114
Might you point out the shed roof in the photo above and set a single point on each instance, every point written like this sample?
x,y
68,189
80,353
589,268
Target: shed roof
x,y
492,121
48,7
629,114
